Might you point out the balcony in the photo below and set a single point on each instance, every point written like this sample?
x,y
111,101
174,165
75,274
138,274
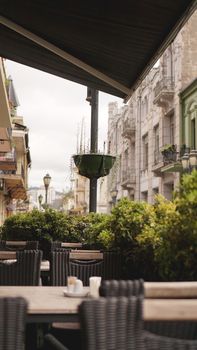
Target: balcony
x,y
129,127
164,93
158,162
8,161
168,160
14,183
128,178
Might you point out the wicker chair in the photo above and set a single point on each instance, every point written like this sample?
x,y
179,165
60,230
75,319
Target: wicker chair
x,y
112,265
174,329
12,319
59,267
156,342
109,323
85,269
25,271
114,288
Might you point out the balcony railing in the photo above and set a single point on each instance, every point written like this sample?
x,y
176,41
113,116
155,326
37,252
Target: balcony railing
x,y
158,157
129,127
8,160
128,178
164,91
9,156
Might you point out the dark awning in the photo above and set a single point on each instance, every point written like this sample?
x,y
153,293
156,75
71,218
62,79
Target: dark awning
x,y
106,45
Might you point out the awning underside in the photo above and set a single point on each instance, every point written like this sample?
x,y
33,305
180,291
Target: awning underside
x,y
118,39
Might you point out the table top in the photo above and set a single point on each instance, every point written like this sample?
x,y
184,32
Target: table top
x,y
48,304
45,303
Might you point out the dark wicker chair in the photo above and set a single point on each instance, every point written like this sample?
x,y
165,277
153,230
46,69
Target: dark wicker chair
x,y
12,319
177,329
59,267
85,269
114,288
109,323
25,271
156,342
112,265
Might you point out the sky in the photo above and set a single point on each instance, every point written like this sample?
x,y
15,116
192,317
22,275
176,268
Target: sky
x,y
54,110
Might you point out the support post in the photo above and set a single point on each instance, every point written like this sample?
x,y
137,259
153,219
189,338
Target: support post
x,y
93,98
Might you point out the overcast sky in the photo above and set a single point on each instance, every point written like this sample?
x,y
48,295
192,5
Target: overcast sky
x,y
53,109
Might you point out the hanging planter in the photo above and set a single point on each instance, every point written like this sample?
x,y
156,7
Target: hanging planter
x,y
94,165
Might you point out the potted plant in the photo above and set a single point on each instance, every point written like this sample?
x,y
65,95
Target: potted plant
x,y
169,152
94,165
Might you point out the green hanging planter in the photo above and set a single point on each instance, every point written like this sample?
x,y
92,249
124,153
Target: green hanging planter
x,y
94,165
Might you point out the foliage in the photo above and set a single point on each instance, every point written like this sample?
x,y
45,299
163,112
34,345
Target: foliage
x,y
168,148
158,242
128,220
97,233
176,255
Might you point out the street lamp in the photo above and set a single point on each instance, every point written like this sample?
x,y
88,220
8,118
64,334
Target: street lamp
x,y
114,193
46,180
189,161
40,198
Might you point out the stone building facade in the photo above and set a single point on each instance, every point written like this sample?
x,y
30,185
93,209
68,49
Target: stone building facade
x,y
147,134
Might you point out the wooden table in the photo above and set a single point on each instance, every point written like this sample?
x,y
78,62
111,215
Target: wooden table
x,y
45,304
48,304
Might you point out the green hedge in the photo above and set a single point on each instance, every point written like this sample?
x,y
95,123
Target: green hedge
x,y
158,242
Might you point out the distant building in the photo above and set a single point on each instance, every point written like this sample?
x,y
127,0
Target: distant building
x,y
54,198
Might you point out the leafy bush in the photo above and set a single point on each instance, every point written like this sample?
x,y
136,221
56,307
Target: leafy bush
x,y
158,242
177,252
128,220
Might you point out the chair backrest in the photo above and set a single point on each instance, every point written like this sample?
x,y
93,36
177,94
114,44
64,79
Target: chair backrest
x,y
117,288
178,329
59,267
81,265
112,265
112,323
154,342
12,319
66,245
19,245
25,271
84,264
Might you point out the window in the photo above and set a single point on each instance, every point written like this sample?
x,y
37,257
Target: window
x,y
172,129
156,144
144,196
145,151
193,133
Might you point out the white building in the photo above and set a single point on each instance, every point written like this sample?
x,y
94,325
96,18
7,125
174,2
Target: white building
x,y
152,121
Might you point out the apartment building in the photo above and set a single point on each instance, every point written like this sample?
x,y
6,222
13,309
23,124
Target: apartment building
x,y
14,150
158,125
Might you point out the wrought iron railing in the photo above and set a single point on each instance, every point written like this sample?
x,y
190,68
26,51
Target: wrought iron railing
x,y
128,175
129,126
166,84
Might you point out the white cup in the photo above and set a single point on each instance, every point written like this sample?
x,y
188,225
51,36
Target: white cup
x,y
78,288
94,283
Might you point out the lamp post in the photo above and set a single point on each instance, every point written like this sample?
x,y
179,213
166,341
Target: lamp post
x,y
46,180
114,193
40,198
189,161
